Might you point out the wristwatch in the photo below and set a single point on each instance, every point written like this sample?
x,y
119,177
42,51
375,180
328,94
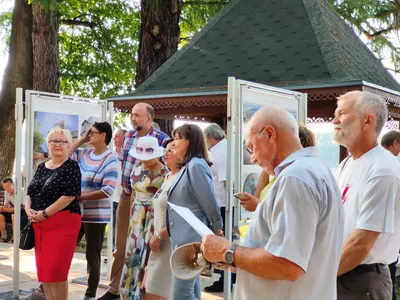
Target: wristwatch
x,y
229,257
45,215
158,236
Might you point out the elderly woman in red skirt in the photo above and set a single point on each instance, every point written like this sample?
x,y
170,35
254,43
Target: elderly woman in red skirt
x,y
52,205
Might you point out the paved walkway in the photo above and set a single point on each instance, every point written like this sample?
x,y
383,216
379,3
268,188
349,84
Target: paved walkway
x,y
27,275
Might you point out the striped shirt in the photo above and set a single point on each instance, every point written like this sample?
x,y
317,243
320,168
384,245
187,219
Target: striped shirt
x,y
98,211
131,138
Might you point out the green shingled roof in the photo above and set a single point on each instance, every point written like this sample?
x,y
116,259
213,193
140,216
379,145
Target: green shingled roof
x,y
277,42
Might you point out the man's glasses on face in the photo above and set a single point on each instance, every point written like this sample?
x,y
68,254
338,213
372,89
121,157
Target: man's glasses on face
x,y
250,148
145,150
58,142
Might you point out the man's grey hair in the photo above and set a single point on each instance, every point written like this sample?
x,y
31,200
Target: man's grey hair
x,y
366,103
214,131
389,138
277,117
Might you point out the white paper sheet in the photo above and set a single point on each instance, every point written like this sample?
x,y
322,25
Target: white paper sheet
x,y
192,220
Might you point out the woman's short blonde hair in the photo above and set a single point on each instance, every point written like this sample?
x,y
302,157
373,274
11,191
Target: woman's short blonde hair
x,y
58,130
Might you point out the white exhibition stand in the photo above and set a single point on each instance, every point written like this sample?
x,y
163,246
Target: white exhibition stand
x,y
47,106
244,99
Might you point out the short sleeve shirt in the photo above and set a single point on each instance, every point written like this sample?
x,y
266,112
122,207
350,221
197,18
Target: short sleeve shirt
x,y
48,185
99,172
301,220
9,200
370,192
219,153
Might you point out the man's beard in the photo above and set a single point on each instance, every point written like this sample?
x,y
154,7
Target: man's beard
x,y
347,134
137,127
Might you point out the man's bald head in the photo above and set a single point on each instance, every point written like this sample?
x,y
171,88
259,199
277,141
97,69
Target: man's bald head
x,y
272,135
277,117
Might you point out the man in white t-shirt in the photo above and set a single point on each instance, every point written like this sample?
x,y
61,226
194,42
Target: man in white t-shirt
x,y
292,247
218,146
369,181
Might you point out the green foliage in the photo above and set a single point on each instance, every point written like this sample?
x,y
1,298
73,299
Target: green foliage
x,y
98,46
38,138
196,14
120,120
377,21
5,29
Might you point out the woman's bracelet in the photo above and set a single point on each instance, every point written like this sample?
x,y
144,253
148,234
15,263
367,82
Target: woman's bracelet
x,y
159,237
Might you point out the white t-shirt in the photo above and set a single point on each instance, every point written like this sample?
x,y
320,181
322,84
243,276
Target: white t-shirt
x,y
301,220
219,153
370,190
8,200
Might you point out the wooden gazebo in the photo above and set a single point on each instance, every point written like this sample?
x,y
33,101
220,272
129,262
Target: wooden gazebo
x,y
301,45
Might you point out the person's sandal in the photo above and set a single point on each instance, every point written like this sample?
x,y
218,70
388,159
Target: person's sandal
x,y
11,241
2,240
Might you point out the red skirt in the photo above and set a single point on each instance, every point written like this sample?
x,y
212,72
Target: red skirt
x,y
55,240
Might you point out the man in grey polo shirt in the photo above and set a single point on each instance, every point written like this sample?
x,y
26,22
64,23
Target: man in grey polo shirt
x,y
292,248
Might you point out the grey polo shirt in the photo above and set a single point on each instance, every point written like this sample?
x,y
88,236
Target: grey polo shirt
x,y
301,220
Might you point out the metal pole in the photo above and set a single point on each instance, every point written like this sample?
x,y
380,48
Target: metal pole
x,y
17,188
231,113
110,119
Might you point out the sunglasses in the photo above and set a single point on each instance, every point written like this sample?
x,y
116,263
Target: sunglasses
x,y
145,150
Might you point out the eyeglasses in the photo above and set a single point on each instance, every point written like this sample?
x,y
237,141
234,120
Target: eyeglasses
x,y
58,142
250,150
93,132
146,150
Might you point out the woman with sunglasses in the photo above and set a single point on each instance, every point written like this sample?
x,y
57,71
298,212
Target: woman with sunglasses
x,y
51,204
159,275
99,167
146,178
193,188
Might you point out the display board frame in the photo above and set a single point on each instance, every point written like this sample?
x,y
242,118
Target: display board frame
x,y
244,98
48,107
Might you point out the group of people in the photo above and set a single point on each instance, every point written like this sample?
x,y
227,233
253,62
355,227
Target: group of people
x,y
313,235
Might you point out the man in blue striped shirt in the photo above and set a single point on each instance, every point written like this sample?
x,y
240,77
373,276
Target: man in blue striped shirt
x,y
142,117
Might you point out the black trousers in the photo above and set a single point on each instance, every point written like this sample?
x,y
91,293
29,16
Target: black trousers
x,y
94,236
392,268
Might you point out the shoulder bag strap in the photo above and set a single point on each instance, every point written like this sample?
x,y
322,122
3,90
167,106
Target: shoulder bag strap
x,y
95,173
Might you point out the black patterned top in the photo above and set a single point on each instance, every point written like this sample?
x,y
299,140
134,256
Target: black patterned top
x,y
48,185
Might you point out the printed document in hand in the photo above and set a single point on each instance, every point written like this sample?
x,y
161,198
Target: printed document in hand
x,y
192,220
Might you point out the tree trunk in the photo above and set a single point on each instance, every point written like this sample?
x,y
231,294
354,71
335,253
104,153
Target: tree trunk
x,y
159,35
18,73
46,59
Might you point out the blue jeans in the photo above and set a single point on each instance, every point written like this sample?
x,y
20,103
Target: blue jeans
x,y
185,289
115,206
